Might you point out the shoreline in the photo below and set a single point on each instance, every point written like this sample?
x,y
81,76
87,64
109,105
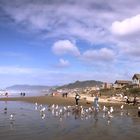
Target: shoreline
x,y
61,100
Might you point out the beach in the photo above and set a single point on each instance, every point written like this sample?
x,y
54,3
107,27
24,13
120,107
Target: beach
x,y
46,100
37,118
59,100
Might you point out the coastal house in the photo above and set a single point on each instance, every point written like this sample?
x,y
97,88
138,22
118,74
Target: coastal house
x,y
106,85
136,80
119,84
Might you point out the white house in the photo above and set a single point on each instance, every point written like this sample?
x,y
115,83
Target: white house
x,y
121,83
136,80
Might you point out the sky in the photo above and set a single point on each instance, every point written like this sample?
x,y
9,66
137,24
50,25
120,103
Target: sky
x,y
55,42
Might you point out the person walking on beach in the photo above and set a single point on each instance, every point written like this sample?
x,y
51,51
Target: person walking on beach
x,y
95,102
134,100
77,98
6,94
66,94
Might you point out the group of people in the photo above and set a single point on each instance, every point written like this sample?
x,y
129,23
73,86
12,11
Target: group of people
x,y
95,101
134,102
65,94
22,94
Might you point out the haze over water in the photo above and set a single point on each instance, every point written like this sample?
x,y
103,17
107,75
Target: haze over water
x,y
17,93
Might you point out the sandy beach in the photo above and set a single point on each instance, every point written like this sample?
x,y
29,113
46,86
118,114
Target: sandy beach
x,y
60,100
46,100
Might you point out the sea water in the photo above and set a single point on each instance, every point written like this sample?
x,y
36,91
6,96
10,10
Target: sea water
x,y
17,93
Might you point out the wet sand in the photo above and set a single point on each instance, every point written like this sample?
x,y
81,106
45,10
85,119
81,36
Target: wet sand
x,y
46,100
29,122
59,100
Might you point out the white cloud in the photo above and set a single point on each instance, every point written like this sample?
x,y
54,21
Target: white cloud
x,y
87,20
11,54
14,70
131,51
65,47
17,70
63,63
135,52
90,13
26,75
127,26
104,54
78,20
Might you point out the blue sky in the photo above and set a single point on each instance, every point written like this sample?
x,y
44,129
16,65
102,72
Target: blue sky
x,y
54,42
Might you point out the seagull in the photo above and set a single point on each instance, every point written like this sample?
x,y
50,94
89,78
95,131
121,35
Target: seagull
x,y
56,113
108,122
82,111
122,106
60,111
53,112
11,117
109,114
90,109
43,116
40,106
105,109
56,107
65,109
42,110
36,106
53,106
69,107
111,109
87,110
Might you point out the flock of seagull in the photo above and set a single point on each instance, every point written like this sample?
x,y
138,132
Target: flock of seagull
x,y
81,112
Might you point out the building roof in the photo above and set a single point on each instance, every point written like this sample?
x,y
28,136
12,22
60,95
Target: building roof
x,y
136,76
123,82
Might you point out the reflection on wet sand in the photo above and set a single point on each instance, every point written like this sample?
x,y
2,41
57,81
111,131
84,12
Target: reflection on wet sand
x,y
36,121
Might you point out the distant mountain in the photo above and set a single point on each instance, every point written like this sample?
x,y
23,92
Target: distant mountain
x,y
82,84
29,87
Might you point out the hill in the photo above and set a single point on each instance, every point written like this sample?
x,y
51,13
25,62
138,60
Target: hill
x,y
28,87
81,84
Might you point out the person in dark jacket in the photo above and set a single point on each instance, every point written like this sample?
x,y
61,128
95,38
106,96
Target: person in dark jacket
x,y
77,98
